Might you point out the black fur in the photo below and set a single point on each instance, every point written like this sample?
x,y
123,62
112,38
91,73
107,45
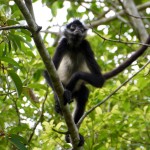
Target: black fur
x,y
75,63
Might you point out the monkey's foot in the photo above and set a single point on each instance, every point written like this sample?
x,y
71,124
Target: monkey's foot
x,y
81,142
67,97
58,109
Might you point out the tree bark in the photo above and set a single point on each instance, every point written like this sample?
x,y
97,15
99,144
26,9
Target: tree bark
x,y
137,23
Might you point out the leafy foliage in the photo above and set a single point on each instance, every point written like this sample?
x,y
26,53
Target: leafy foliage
x,y
123,122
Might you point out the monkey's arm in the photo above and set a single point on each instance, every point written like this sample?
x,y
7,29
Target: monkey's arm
x,y
94,78
60,50
56,60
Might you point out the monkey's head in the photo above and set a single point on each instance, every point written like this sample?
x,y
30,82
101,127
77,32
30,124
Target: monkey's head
x,y
75,32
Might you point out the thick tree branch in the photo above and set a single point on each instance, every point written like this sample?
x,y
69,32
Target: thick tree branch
x,y
30,7
128,62
130,8
52,72
111,94
121,13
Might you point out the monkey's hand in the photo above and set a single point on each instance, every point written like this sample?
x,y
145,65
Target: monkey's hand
x,y
58,109
81,142
67,96
73,81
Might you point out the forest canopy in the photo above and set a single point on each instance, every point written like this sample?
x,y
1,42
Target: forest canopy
x,y
117,115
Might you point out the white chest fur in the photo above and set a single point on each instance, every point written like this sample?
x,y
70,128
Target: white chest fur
x,y
71,64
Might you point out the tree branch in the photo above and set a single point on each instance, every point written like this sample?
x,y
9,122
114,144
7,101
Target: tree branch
x,y
137,24
110,95
128,62
30,7
52,72
51,32
17,111
121,13
60,132
138,17
119,41
14,27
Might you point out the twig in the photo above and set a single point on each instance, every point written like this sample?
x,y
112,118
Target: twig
x,y
40,118
138,17
52,32
7,93
103,14
60,132
135,141
17,111
120,31
14,27
110,95
1,41
119,41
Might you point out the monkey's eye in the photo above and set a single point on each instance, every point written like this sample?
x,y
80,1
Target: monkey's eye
x,y
73,27
83,29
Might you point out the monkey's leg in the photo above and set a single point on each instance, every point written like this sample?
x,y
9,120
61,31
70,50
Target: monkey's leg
x,y
67,96
81,97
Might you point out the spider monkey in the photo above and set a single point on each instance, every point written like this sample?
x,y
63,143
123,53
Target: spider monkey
x,y
76,66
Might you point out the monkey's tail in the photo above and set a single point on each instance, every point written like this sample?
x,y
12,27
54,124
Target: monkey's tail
x,y
127,62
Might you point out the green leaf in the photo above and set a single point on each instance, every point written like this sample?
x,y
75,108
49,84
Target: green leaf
x,y
18,141
54,8
16,40
9,45
14,44
17,81
38,74
37,86
11,22
2,46
10,61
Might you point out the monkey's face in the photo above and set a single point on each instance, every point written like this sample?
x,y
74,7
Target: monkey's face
x,y
75,32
